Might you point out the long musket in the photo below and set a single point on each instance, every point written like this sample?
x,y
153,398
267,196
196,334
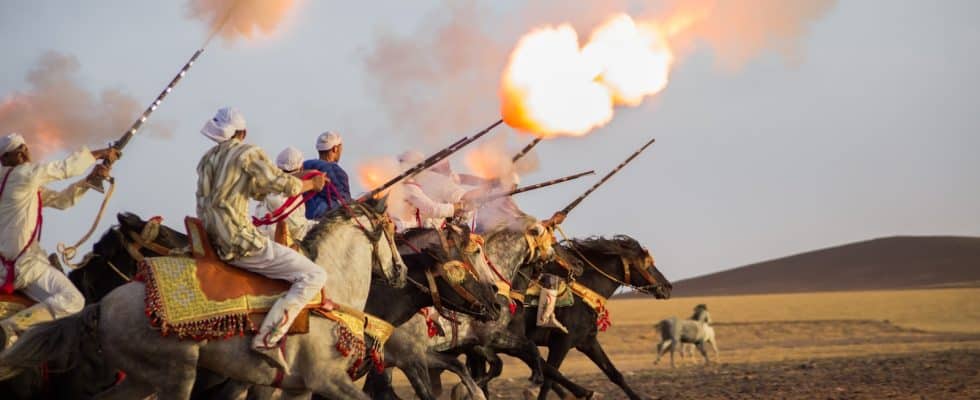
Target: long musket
x,y
576,202
526,149
95,182
432,160
535,186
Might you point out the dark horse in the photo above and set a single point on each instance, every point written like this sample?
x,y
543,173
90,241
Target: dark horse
x,y
110,265
602,265
608,264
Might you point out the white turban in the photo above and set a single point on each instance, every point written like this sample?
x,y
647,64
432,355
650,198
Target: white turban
x,y
410,158
328,140
290,159
224,125
11,142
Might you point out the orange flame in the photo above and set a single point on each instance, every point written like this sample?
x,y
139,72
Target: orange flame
x,y
374,172
552,86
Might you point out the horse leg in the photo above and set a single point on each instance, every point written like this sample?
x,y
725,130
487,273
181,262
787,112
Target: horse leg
x,y
704,353
377,385
557,350
715,348
592,349
446,362
418,375
661,349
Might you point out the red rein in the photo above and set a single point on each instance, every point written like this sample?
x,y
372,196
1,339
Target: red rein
x,y
287,208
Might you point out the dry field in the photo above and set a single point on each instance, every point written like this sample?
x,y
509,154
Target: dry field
x,y
880,344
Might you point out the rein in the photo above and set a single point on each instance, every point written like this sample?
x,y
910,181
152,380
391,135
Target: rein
x,y
626,268
68,253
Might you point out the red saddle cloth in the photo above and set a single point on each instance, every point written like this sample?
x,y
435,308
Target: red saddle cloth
x,y
202,297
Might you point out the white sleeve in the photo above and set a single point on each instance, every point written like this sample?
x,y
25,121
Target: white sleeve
x,y
76,164
426,206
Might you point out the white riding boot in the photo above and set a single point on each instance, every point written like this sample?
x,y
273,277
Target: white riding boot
x,y
273,329
546,310
14,326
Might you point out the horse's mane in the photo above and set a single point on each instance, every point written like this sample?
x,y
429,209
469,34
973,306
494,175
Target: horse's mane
x,y
619,245
339,215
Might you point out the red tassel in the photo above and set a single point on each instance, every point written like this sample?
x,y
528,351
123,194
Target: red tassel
x,y
513,307
120,377
432,329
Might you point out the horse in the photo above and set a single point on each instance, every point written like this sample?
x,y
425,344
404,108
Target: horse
x,y
347,243
114,259
524,241
110,265
608,264
439,274
696,330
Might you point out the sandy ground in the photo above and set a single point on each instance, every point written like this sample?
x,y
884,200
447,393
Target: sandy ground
x,y
804,350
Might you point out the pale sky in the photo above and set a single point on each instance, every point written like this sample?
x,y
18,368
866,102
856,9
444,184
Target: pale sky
x,y
874,132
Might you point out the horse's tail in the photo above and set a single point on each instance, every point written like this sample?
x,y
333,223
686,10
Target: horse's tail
x,y
62,339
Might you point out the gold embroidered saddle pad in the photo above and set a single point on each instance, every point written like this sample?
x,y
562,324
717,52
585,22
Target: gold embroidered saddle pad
x,y
205,298
565,296
13,303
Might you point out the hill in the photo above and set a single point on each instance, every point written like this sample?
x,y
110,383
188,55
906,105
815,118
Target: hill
x,y
886,263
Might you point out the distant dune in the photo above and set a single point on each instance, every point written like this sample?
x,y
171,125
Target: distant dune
x,y
887,263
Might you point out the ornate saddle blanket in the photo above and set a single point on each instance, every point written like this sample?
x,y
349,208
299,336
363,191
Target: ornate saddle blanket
x,y
201,297
13,303
565,296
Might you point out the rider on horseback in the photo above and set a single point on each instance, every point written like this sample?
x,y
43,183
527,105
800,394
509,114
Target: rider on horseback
x,y
230,174
290,161
24,265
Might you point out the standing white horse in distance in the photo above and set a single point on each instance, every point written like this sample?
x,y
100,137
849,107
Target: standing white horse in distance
x,y
696,331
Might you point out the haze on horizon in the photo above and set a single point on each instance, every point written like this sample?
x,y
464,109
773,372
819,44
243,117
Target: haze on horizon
x,y
870,130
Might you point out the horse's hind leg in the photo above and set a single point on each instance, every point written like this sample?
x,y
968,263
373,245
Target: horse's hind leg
x,y
661,349
704,353
593,350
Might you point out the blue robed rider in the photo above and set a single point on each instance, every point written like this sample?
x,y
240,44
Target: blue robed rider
x,y
330,146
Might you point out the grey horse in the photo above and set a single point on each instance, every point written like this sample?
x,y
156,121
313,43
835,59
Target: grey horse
x,y
347,246
674,332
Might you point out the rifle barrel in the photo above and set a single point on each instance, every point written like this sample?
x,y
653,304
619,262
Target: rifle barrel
x,y
526,149
578,200
432,160
536,186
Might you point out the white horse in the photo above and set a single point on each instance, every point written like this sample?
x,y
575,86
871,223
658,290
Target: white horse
x,y
675,332
346,246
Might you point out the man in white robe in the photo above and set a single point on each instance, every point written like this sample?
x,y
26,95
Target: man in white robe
x,y
290,161
229,175
412,207
24,266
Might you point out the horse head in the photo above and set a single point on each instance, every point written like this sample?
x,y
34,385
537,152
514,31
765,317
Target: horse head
x,y
455,285
631,264
115,256
341,232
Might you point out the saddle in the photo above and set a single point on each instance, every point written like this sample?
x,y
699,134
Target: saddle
x,y
202,297
13,303
565,296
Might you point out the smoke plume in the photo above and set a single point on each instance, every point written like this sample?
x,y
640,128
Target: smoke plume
x,y
58,113
240,19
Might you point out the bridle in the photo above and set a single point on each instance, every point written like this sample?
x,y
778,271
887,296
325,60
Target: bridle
x,y
454,273
627,267
134,243
381,225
